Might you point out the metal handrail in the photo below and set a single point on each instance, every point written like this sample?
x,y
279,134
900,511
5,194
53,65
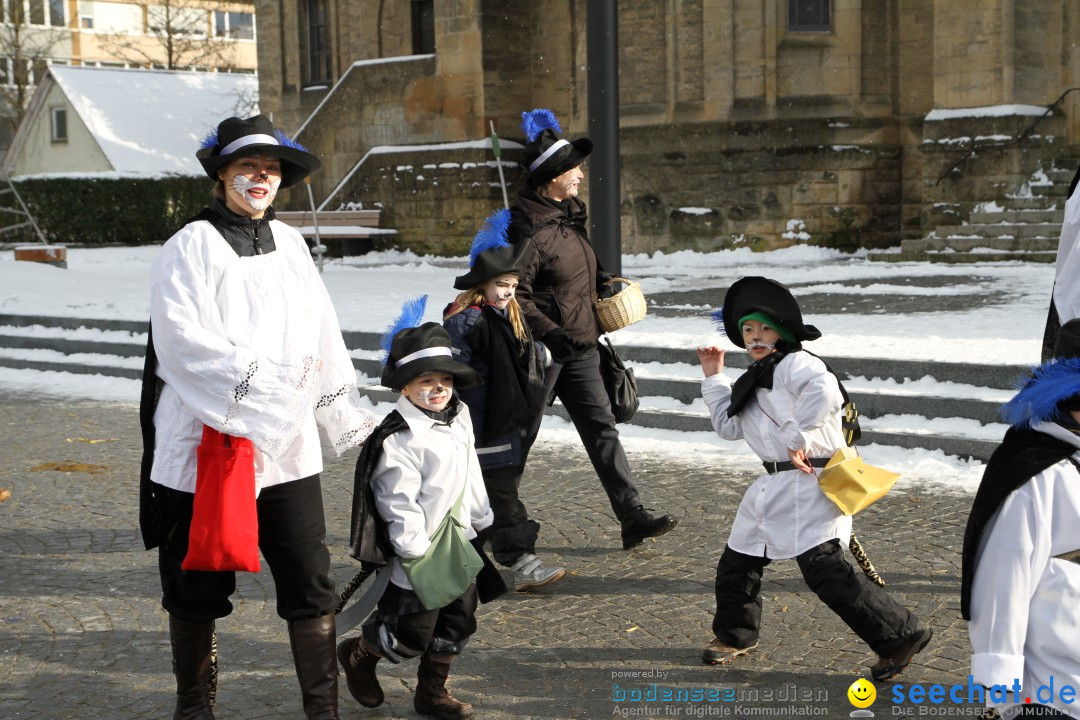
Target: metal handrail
x,y
1005,143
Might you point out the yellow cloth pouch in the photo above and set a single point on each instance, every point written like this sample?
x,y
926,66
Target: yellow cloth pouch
x,y
852,484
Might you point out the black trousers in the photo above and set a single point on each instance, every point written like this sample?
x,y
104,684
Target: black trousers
x,y
868,610
580,387
513,533
292,538
402,628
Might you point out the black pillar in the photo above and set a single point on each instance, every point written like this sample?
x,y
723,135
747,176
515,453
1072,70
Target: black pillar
x,y
602,47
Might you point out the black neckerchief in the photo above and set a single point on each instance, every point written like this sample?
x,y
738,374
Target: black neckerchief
x,y
758,375
1023,454
446,415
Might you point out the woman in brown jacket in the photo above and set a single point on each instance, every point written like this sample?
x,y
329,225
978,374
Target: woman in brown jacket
x,y
558,293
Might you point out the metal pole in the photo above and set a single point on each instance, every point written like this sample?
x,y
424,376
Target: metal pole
x,y
498,162
319,248
602,46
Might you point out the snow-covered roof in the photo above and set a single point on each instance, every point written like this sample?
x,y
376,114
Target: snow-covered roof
x,y
151,122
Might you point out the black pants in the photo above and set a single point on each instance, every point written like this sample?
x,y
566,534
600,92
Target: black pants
x,y
513,533
868,610
292,538
579,386
402,628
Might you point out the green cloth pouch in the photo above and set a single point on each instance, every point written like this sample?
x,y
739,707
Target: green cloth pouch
x,y
443,573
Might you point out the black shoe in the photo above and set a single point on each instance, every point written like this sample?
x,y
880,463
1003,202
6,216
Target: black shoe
x,y
891,665
640,524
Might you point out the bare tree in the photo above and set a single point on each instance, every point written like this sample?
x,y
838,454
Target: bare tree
x,y
26,44
178,34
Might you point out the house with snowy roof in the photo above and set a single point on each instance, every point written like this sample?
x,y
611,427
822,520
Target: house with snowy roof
x,y
123,122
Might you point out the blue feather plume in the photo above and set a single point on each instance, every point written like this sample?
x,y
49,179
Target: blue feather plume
x,y
1040,395
284,140
412,312
718,318
210,140
492,234
537,121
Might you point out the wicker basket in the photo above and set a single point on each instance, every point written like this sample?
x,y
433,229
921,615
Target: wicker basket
x,y
622,309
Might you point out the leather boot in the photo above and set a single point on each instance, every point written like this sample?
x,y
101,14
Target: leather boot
x,y
191,649
432,698
358,660
312,643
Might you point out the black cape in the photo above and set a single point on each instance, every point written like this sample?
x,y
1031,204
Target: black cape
x,y
1023,454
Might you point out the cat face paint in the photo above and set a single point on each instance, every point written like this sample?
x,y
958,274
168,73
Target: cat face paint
x,y
257,193
760,340
499,291
431,391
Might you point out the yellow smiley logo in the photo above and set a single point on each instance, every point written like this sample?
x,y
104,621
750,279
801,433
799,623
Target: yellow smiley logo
x,y
862,693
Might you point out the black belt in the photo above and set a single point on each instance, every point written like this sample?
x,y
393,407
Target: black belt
x,y
774,467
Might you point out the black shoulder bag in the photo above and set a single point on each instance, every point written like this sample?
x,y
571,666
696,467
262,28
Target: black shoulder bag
x,y
619,381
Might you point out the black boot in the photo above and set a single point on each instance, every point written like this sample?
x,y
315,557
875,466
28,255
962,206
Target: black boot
x,y
358,660
313,650
191,648
639,524
432,697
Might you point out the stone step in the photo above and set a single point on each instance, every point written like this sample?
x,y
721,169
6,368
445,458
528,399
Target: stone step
x,y
1032,203
969,244
1014,230
686,391
1016,217
963,258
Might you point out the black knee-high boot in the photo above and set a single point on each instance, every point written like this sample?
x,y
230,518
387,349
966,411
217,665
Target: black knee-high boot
x,y
191,648
314,652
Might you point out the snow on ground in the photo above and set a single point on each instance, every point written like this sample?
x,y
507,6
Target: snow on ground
x,y
112,283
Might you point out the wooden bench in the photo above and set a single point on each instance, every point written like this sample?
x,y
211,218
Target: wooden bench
x,y
343,232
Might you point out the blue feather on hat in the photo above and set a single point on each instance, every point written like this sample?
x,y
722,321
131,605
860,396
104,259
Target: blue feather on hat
x,y
210,140
492,234
537,121
1039,396
287,142
412,312
718,318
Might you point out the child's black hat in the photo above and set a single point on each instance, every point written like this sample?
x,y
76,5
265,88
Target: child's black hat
x,y
761,294
414,350
491,255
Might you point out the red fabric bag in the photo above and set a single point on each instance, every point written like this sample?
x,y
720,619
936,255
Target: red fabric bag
x,y
224,523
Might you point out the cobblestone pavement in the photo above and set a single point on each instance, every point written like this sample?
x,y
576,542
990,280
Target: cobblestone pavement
x,y
82,634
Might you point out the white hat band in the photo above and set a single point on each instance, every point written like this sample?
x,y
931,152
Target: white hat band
x,y
547,153
426,352
248,140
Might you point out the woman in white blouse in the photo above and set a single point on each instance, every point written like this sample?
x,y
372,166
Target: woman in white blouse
x,y
787,406
245,340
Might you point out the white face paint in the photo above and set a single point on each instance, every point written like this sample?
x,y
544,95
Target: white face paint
x,y
259,193
499,291
431,391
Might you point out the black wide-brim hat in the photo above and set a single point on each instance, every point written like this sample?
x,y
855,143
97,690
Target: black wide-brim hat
x,y
496,261
759,294
548,156
238,137
418,350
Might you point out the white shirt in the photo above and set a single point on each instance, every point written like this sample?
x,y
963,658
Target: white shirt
x,y
785,514
1025,602
420,475
1067,268
250,346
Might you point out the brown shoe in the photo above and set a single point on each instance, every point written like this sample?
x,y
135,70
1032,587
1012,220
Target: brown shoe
x,y
889,666
720,653
432,697
358,661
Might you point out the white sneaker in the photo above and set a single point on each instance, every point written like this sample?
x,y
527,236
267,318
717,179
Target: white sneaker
x,y
530,573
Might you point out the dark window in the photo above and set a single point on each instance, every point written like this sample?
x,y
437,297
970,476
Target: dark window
x,y
56,13
37,12
318,26
423,27
239,26
809,15
59,125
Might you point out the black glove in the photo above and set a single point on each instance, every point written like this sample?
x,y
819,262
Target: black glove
x,y
482,536
561,346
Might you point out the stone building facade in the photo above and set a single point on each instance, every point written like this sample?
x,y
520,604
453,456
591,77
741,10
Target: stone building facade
x,y
852,123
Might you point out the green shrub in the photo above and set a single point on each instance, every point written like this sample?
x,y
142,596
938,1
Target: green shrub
x,y
87,210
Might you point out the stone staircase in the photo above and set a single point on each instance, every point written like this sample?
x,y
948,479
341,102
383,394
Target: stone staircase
x,y
670,391
1022,228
